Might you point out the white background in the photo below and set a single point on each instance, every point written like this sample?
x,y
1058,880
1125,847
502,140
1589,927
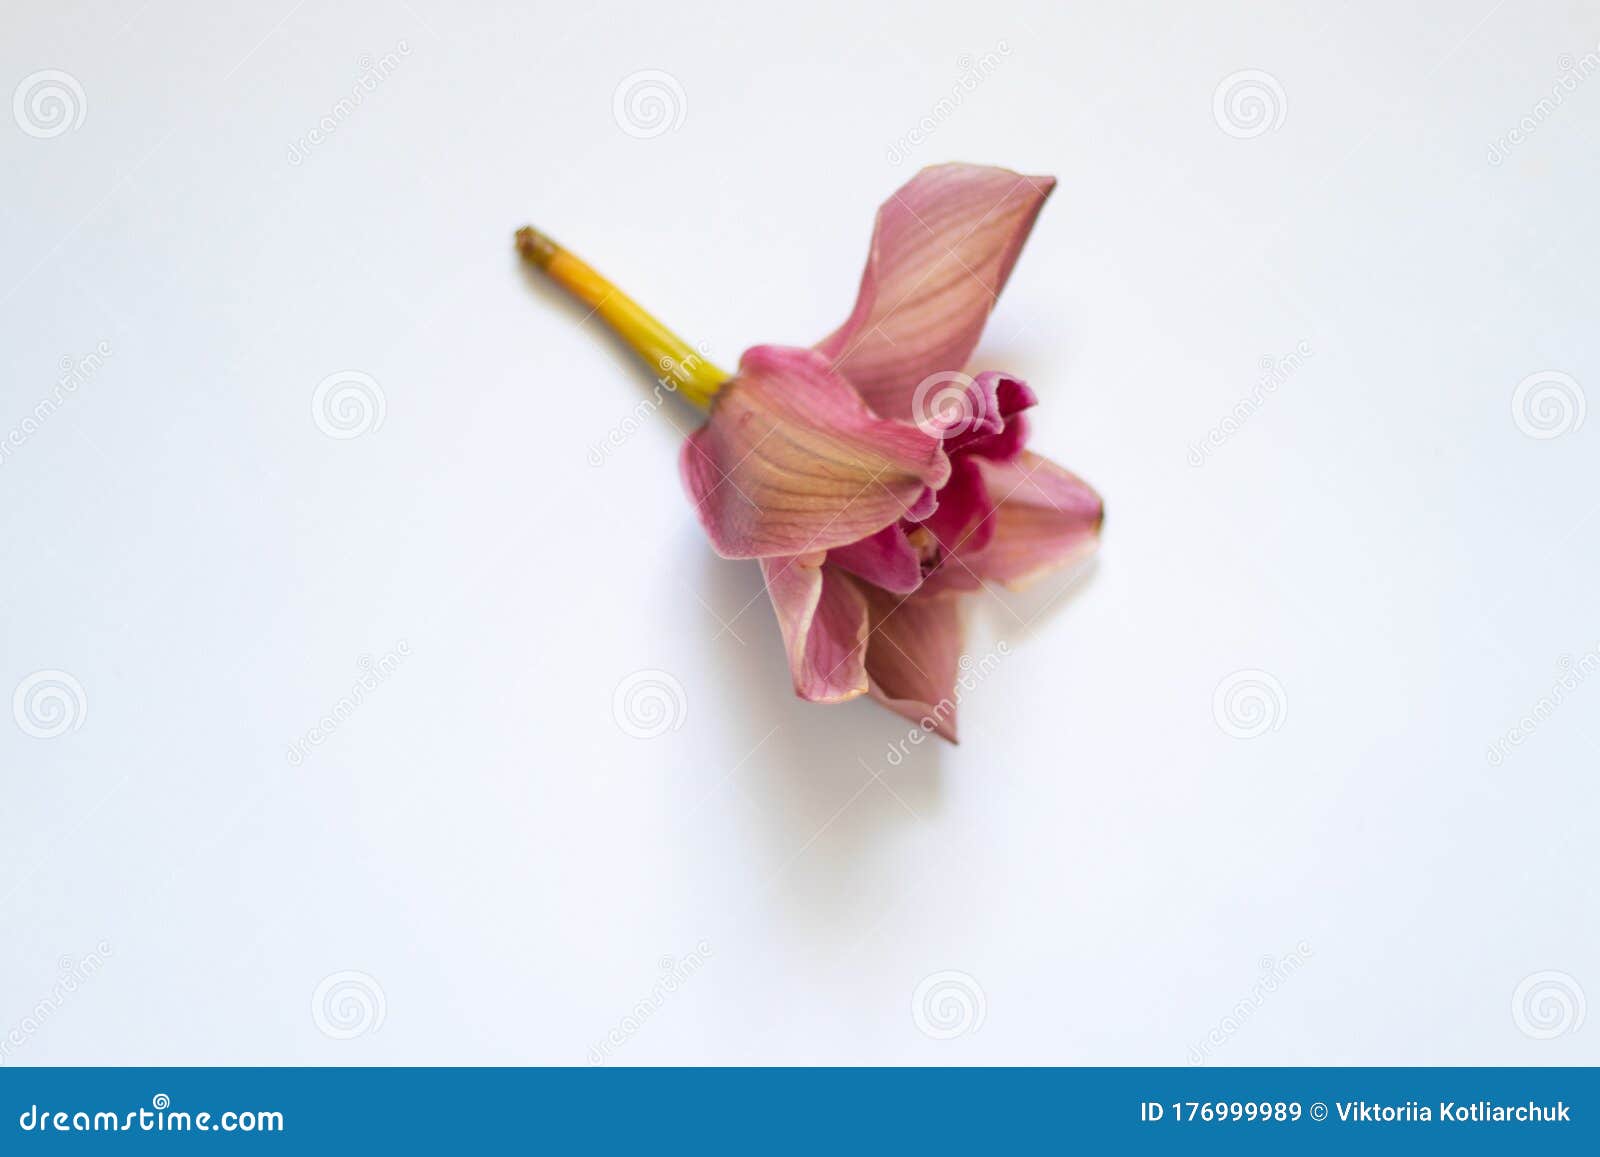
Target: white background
x,y
1106,864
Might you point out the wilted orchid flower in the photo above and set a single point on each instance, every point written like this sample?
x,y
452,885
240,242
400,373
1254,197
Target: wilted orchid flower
x,y
872,479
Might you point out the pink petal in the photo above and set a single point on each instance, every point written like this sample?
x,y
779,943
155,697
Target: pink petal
x,y
886,559
823,617
913,653
942,250
1045,517
792,461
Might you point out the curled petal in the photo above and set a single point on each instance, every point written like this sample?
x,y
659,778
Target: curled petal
x,y
962,415
996,428
792,461
913,652
1044,518
823,617
942,249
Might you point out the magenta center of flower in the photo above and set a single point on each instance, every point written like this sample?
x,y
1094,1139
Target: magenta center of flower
x,y
983,421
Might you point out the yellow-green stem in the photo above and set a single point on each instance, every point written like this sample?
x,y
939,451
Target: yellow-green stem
x,y
677,362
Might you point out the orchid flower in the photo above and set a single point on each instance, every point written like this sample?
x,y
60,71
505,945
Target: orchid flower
x,y
871,478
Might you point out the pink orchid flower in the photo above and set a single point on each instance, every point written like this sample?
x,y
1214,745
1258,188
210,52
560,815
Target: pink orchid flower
x,y
873,480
